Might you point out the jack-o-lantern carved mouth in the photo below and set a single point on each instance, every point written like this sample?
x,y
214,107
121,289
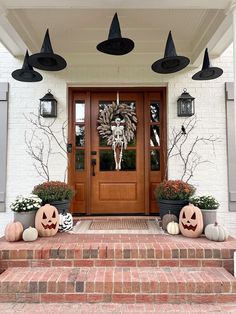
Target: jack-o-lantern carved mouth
x,y
51,226
190,227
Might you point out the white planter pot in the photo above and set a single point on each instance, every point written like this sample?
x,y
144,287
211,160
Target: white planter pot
x,y
26,218
209,216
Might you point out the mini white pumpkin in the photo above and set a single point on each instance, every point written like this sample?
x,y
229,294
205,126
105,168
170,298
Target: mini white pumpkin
x,y
65,222
216,232
30,234
173,227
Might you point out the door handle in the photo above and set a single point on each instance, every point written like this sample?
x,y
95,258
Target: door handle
x,y
94,162
69,147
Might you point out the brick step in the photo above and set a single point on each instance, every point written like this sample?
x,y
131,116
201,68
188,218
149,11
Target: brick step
x,y
114,255
111,284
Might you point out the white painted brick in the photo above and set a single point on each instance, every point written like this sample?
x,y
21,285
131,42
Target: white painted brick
x,y
210,109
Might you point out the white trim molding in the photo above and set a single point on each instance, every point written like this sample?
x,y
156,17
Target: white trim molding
x,y
3,142
231,143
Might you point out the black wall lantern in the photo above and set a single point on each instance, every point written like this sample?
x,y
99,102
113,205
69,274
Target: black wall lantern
x,y
48,106
185,105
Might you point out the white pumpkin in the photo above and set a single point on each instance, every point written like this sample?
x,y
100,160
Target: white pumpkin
x,y
173,227
65,222
30,234
216,232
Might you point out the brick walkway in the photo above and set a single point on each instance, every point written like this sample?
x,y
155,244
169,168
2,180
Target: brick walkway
x,y
113,308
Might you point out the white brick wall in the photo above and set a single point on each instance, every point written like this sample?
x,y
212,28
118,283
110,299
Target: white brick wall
x,y
210,110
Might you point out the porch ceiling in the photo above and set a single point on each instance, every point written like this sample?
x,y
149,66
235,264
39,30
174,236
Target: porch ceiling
x,y
76,27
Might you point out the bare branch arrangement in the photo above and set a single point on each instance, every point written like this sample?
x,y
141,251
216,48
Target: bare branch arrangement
x,y
183,146
40,141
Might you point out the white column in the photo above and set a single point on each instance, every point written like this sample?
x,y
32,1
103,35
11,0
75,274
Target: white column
x,y
234,65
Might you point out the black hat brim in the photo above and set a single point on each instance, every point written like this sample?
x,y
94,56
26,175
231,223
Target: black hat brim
x,y
47,61
116,46
170,64
210,73
24,75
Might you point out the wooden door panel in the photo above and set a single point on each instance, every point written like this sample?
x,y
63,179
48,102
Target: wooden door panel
x,y
127,191
118,191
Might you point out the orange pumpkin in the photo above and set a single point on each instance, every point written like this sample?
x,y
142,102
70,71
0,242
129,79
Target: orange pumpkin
x,y
191,221
13,231
47,221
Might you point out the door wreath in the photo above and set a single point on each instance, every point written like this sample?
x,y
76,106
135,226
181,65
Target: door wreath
x,y
117,124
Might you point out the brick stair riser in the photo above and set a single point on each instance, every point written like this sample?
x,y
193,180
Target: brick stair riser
x,y
228,264
116,284
117,298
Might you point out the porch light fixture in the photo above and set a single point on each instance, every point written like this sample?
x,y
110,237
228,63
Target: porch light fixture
x,y
48,106
185,105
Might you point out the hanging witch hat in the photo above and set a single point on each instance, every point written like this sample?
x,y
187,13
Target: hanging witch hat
x,y
171,62
46,59
207,72
27,73
115,44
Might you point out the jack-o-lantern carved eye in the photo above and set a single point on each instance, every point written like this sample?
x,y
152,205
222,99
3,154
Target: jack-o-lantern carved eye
x,y
54,214
44,216
193,216
184,215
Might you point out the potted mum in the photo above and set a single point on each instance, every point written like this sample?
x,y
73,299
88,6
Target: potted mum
x,y
208,205
173,195
55,193
25,208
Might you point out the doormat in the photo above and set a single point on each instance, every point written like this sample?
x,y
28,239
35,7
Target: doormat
x,y
118,227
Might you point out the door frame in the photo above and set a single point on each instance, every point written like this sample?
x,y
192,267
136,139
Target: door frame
x,y
71,156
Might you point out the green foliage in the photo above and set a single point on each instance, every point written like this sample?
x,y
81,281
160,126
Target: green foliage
x,y
53,191
26,203
174,190
205,202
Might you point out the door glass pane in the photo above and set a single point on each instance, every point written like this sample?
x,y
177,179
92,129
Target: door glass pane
x,y
79,135
155,160
155,111
154,135
107,162
79,111
128,162
79,160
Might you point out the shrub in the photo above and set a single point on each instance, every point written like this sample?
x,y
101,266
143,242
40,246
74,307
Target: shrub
x,y
53,191
26,203
205,202
174,190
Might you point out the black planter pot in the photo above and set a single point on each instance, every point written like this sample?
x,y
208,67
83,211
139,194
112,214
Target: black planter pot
x,y
172,206
61,206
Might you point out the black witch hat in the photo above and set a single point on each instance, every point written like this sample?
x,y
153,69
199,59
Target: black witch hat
x,y
207,72
171,62
26,73
46,59
115,44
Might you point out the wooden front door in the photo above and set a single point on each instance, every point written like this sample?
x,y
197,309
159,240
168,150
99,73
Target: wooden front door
x,y
100,188
117,191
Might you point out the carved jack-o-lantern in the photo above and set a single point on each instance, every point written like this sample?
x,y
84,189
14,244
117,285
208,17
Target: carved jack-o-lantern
x,y
47,221
191,221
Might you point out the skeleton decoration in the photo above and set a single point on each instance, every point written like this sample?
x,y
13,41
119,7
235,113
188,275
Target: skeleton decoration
x,y
117,124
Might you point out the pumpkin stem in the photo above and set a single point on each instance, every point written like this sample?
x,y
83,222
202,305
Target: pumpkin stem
x,y
216,223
